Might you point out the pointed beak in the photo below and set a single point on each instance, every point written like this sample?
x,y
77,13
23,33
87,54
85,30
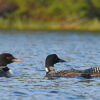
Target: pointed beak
x,y
17,60
60,60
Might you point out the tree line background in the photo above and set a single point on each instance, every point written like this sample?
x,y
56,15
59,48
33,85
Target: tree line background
x,y
50,14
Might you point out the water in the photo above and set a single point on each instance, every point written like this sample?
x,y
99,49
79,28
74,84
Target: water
x,y
81,51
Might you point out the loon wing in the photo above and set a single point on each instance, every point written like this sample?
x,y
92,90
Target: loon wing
x,y
91,72
63,73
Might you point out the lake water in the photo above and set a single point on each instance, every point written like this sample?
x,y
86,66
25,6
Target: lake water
x,y
81,50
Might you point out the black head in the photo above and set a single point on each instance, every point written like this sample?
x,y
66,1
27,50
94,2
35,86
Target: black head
x,y
7,58
52,59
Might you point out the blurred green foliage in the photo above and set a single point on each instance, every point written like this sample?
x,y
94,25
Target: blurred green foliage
x,y
48,10
39,13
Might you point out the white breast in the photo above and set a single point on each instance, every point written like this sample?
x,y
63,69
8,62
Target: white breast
x,y
9,72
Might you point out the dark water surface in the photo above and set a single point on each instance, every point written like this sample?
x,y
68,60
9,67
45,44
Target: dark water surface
x,y
81,51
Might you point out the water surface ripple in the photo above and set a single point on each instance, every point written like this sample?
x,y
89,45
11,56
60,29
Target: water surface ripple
x,y
81,51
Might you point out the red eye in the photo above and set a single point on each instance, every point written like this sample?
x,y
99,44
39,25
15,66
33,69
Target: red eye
x,y
8,57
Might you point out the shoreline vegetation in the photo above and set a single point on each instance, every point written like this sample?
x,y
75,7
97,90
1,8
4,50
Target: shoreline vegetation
x,y
82,15
93,25
89,26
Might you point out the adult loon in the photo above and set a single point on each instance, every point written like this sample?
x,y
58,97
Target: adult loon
x,y
51,72
5,59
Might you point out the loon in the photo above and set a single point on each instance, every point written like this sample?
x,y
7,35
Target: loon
x,y
51,72
5,59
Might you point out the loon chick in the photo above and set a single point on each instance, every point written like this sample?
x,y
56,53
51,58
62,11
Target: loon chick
x,y
50,71
5,59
